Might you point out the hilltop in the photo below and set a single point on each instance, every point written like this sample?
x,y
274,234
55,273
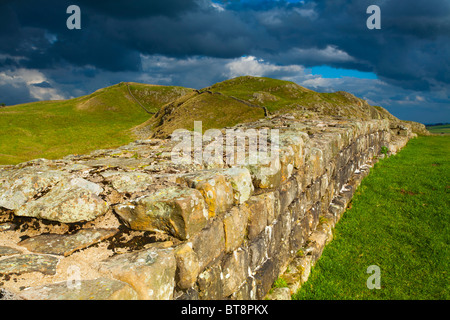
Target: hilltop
x,y
124,112
247,98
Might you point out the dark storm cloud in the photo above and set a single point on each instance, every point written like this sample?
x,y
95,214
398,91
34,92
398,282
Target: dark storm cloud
x,y
410,51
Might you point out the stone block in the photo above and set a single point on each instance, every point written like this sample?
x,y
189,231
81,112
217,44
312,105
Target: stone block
x,y
25,263
216,189
209,243
70,200
150,272
258,215
264,278
210,284
180,212
288,192
296,239
266,174
247,291
97,289
287,159
188,266
296,140
241,182
234,270
130,182
235,227
22,185
66,244
257,253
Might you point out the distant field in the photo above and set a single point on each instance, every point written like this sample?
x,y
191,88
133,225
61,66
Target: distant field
x,y
445,129
399,221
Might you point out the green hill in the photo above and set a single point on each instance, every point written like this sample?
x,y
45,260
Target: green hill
x,y
245,99
103,119
124,112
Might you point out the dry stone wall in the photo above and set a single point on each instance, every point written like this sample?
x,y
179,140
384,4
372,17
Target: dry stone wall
x,y
130,223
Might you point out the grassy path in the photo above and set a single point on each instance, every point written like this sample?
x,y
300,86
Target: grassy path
x,y
399,221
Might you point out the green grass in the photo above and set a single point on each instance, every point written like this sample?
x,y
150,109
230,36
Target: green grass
x,y
400,221
445,129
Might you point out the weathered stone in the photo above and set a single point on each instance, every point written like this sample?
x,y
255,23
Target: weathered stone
x,y
277,239
234,270
287,158
8,251
264,277
66,244
71,200
235,226
259,212
297,237
178,211
241,182
26,263
296,140
24,184
151,272
210,284
128,181
266,174
215,188
258,253
288,192
247,290
188,267
98,289
209,243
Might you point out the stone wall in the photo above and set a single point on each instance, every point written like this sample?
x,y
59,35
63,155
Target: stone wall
x,y
129,223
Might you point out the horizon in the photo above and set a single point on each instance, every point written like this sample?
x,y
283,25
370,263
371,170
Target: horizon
x,y
325,46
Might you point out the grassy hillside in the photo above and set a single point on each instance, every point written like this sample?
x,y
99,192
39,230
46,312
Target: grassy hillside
x,y
214,110
244,99
279,95
399,221
53,129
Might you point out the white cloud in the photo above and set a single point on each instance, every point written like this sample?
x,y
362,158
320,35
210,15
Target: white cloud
x,y
329,54
253,66
29,78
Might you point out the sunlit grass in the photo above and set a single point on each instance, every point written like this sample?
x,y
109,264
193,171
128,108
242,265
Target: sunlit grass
x,y
400,221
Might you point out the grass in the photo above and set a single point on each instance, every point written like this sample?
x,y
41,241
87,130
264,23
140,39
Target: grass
x,y
439,129
399,221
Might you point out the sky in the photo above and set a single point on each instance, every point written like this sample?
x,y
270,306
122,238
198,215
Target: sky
x,y
323,45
